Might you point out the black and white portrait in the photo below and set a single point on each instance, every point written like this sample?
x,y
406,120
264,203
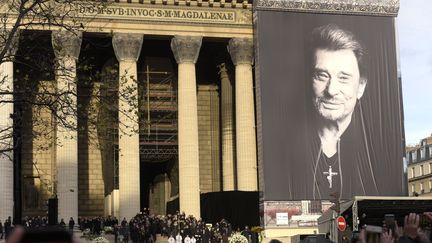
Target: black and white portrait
x,y
337,84
330,105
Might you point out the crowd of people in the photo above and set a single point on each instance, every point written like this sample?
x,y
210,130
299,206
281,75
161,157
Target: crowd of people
x,y
142,228
412,231
179,228
6,228
95,225
37,222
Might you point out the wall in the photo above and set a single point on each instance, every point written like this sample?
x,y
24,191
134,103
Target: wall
x,y
209,138
38,153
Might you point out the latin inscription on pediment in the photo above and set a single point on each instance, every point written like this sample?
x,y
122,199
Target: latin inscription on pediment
x,y
169,14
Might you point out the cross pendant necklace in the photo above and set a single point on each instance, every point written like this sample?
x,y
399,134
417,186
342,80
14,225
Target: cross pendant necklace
x,y
330,175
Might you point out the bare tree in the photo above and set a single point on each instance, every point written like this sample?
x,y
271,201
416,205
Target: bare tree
x,y
31,95
20,16
25,41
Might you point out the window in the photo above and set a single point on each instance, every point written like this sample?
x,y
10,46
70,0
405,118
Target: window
x,y
421,170
422,153
430,185
421,188
412,172
414,156
412,189
430,151
430,168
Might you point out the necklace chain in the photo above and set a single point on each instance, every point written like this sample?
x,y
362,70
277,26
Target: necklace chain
x,y
331,164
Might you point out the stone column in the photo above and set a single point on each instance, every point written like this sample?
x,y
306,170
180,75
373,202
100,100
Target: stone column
x,y
127,49
227,130
115,207
67,47
6,128
91,186
107,205
241,51
186,51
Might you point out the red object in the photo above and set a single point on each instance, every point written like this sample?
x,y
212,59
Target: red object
x,y
341,223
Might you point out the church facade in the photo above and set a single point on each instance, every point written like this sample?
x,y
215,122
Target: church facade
x,y
187,67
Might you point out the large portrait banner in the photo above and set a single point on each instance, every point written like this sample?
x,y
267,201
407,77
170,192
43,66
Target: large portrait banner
x,y
330,122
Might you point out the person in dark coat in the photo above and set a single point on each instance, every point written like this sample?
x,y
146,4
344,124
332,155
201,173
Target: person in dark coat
x,y
97,226
8,227
1,230
116,232
71,224
206,236
62,223
155,229
247,233
124,231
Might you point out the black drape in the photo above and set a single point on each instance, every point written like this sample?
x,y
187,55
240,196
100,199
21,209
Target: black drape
x,y
238,207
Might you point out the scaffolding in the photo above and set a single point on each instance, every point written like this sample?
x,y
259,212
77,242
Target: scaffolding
x,y
157,120
158,123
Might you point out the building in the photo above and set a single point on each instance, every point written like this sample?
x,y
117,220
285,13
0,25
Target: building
x,y
187,127
420,168
166,132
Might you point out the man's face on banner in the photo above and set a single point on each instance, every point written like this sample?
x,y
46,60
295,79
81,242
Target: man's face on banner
x,y
336,83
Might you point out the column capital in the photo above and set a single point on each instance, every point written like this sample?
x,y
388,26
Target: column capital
x,y
241,50
186,48
66,44
127,46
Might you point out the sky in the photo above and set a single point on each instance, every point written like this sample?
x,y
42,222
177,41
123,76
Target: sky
x,y
415,44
